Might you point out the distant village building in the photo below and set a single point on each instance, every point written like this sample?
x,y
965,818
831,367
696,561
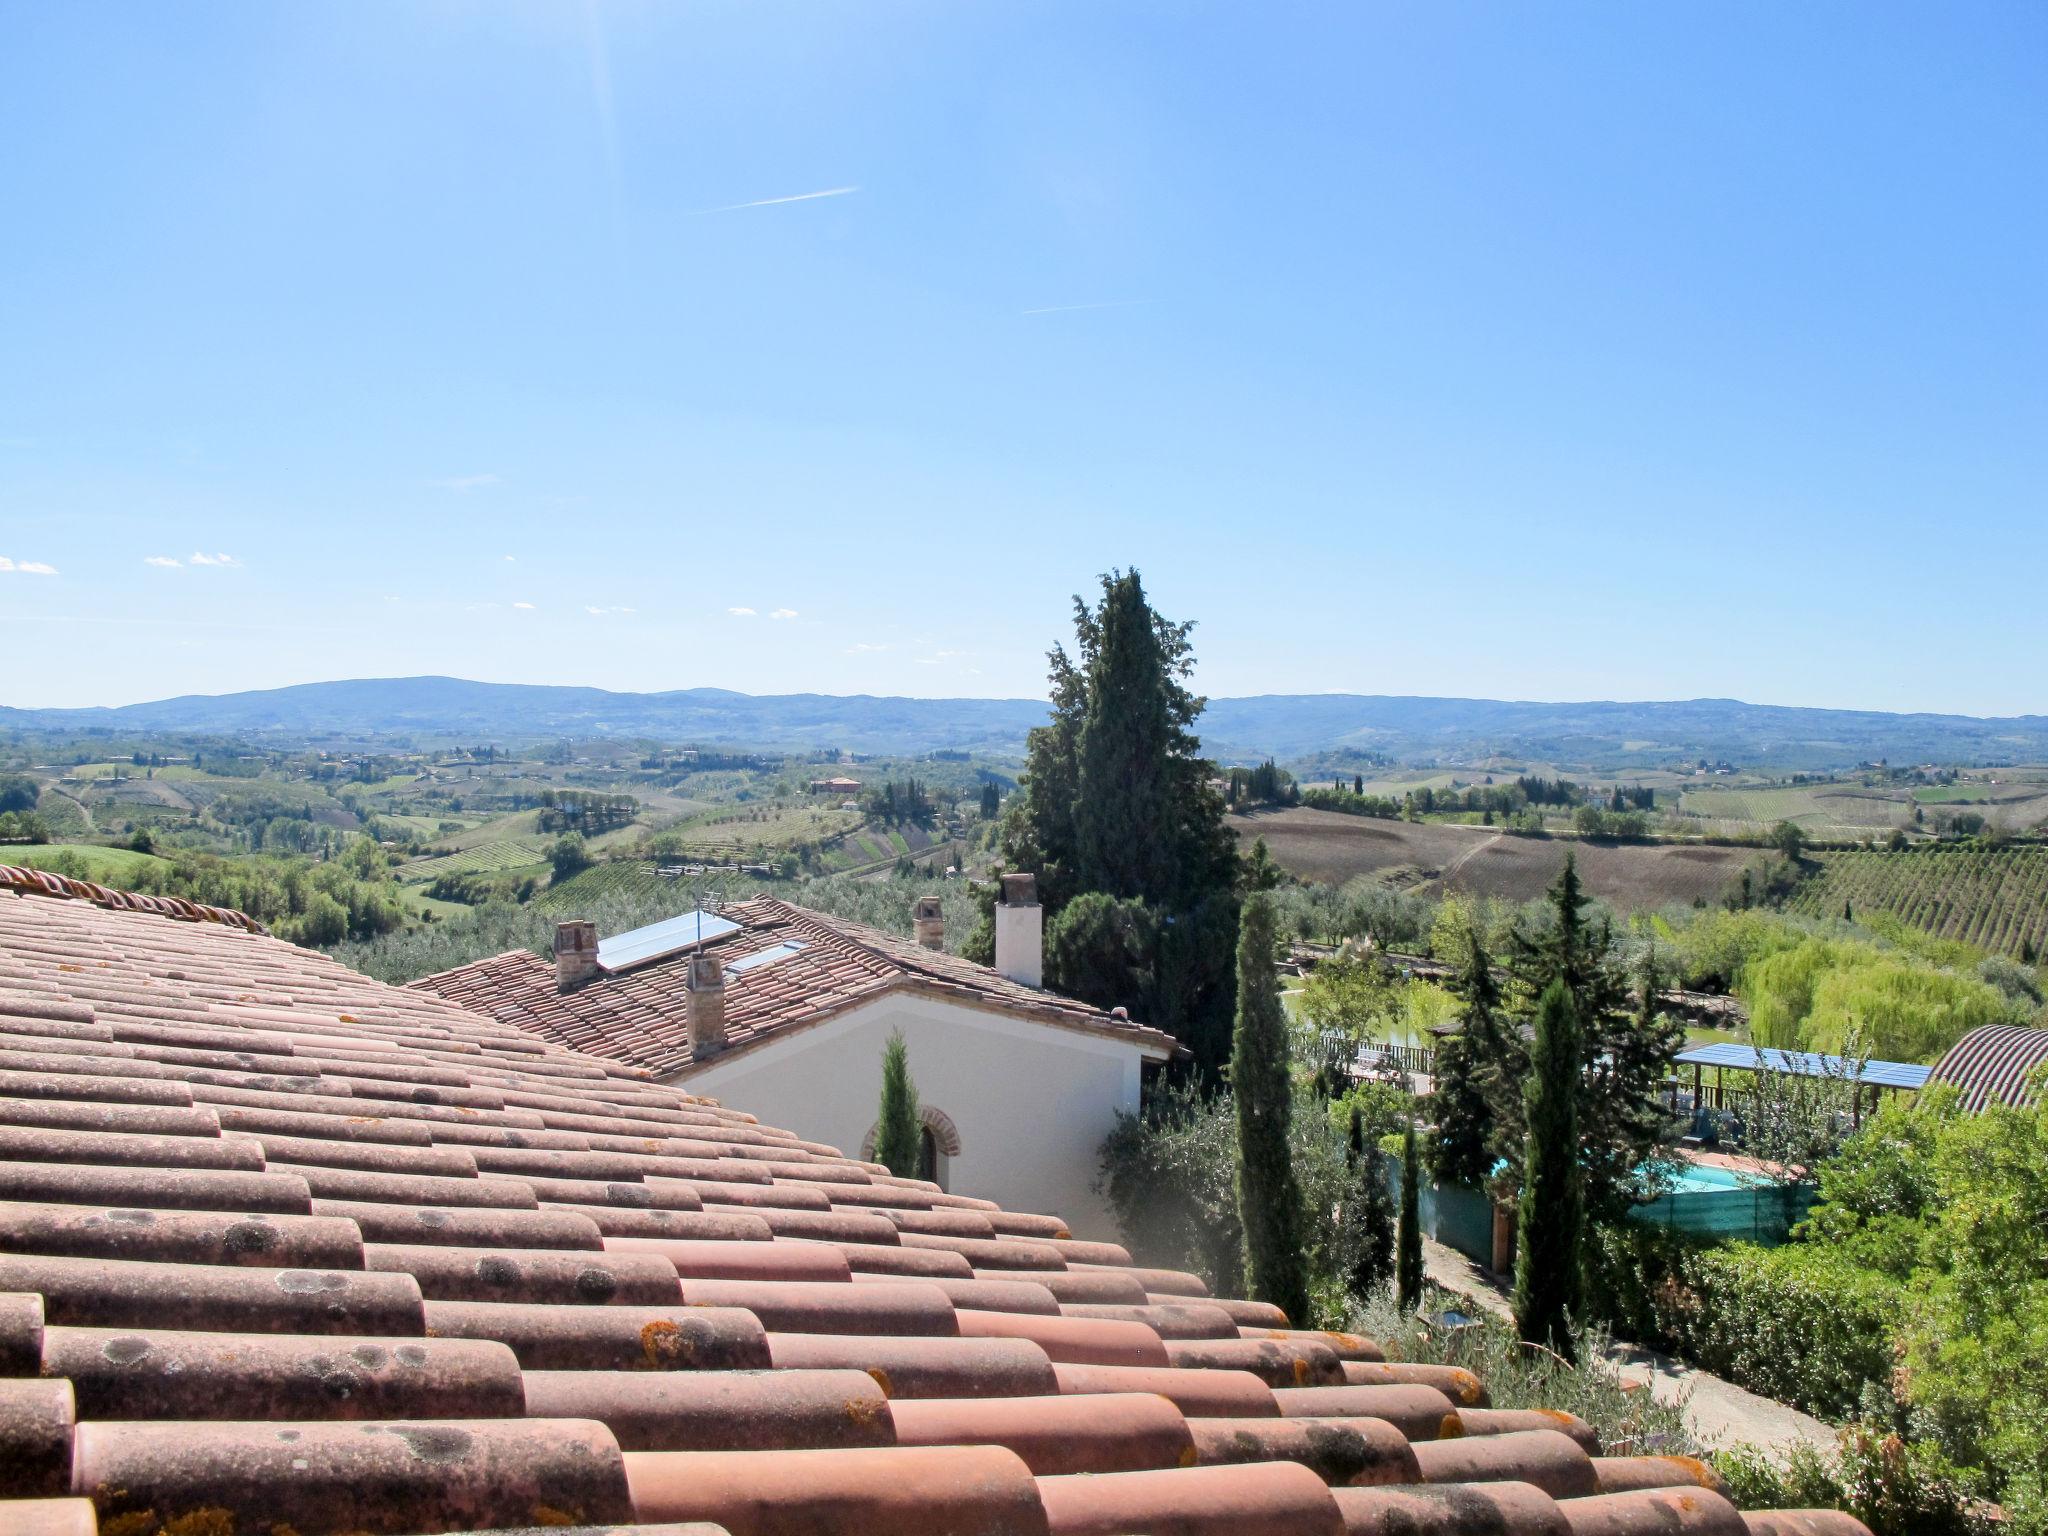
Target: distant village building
x,y
840,787
783,1012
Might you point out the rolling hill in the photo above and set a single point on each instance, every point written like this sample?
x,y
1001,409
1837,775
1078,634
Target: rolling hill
x,y
1287,726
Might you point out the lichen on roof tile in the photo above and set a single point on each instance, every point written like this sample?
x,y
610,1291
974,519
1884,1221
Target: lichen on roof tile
x,y
285,1249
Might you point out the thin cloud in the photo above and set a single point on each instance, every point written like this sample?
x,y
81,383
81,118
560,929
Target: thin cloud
x,y
202,559
607,612
741,613
776,202
1068,309
528,607
783,613
465,483
511,558
27,567
860,647
165,562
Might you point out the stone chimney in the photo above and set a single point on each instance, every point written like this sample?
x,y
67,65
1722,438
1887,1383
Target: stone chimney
x,y
575,954
706,1007
928,922
1020,931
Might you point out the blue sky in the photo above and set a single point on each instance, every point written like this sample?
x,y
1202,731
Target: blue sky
x,y
1559,351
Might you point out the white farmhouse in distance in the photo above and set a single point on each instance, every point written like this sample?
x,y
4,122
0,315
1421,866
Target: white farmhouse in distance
x,y
783,1012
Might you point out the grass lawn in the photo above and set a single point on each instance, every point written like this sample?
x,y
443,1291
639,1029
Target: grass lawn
x,y
108,866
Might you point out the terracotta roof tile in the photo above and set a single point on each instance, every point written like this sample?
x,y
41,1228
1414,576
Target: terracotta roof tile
x,y
283,1248
637,1015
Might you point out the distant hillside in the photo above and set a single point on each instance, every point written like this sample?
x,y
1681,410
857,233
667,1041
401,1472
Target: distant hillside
x,y
1287,726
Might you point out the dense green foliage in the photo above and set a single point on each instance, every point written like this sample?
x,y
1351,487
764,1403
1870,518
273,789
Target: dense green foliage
x,y
1550,1221
1802,1324
1117,800
1894,1485
1408,1250
898,1131
1268,1197
1625,1046
318,903
1170,1175
568,857
1915,1301
1812,995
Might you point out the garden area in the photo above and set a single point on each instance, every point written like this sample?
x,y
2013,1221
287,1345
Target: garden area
x,y
1900,1289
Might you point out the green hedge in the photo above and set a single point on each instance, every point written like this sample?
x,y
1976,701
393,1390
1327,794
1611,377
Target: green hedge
x,y
1798,1323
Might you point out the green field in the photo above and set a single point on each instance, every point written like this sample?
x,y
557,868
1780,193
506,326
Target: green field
x,y
108,866
1994,898
484,859
613,879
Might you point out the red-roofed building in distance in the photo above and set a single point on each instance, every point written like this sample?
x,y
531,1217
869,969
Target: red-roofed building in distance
x,y
784,1012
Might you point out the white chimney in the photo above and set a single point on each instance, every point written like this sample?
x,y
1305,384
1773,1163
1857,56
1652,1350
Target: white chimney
x,y
1020,931
575,954
928,922
705,1010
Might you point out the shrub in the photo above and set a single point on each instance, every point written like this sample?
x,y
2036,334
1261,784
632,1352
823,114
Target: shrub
x,y
1801,1323
1896,1487
1630,1422
1169,1172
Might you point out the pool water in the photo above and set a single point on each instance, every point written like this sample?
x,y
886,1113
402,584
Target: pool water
x,y
1704,1179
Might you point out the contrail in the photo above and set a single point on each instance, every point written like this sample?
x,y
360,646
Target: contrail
x,y
770,202
1063,309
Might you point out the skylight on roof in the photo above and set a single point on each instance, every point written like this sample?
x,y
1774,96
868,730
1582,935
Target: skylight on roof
x,y
763,957
659,939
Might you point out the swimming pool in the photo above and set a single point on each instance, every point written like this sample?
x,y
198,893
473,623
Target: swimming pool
x,y
1704,1179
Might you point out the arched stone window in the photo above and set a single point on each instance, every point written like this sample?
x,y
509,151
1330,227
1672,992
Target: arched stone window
x,y
938,1144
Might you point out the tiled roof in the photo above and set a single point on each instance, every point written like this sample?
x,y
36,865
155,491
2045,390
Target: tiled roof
x,y
42,883
287,1252
637,1016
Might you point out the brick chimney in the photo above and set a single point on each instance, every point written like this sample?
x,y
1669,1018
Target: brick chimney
x,y
928,922
1020,931
706,1006
575,954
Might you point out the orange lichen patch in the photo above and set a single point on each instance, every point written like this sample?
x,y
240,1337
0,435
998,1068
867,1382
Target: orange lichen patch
x,y
664,1345
866,1412
305,1255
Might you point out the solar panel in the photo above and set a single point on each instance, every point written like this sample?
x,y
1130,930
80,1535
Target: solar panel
x,y
1889,1074
658,939
763,957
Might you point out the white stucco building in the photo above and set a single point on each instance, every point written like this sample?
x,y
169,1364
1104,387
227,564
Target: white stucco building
x,y
782,1012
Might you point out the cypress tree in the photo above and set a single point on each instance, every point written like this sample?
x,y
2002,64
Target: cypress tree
x,y
1471,1067
1551,1221
1408,1270
1372,1260
897,1130
1116,798
1268,1198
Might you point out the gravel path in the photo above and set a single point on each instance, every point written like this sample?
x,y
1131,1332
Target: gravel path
x,y
1718,1412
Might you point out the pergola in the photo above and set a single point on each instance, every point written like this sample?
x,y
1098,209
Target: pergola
x,y
1880,1076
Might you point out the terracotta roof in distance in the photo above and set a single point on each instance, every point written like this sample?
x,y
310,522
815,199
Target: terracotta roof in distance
x,y
637,1015
283,1249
